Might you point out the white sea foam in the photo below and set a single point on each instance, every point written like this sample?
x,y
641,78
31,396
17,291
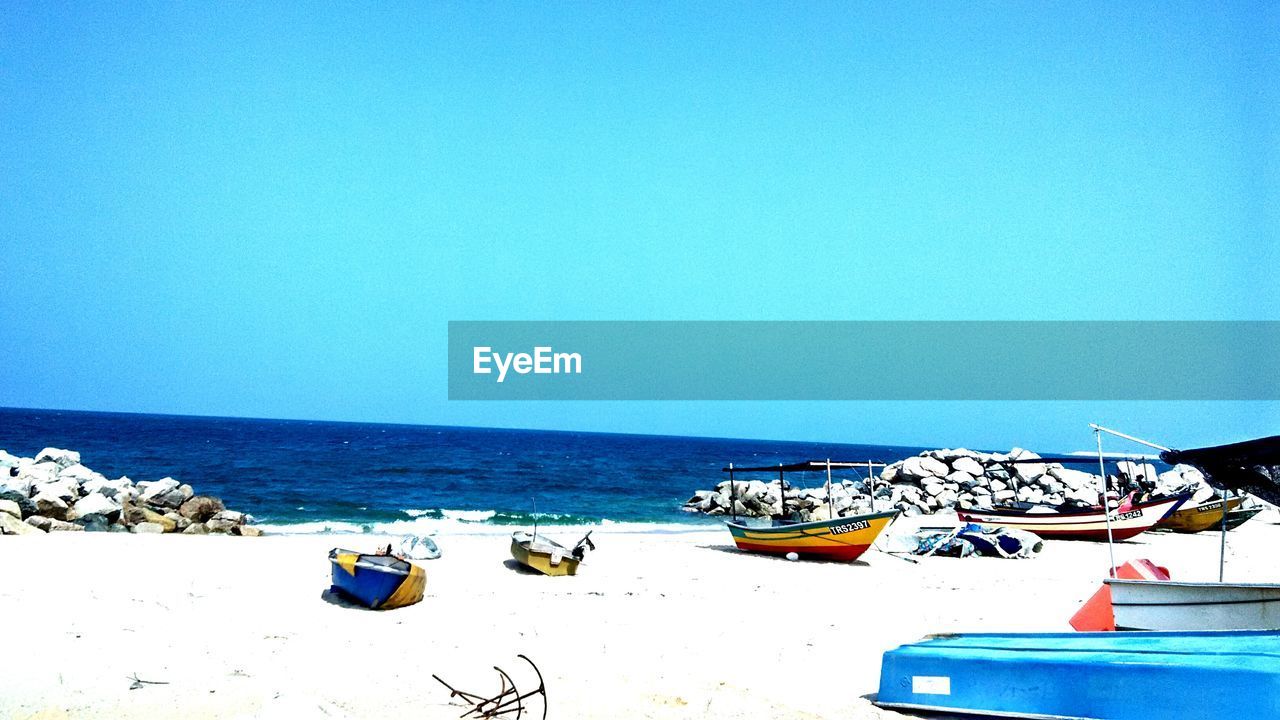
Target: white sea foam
x,y
454,526
473,516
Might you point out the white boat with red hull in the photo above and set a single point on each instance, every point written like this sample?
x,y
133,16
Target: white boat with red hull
x,y
1085,524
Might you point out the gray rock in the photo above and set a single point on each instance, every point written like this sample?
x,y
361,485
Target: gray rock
x,y
63,458
10,525
924,467
94,523
165,493
39,522
1003,496
95,504
1074,479
179,523
63,526
137,514
196,528
11,507
967,465
50,505
148,528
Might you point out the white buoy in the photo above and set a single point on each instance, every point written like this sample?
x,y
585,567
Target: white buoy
x,y
792,556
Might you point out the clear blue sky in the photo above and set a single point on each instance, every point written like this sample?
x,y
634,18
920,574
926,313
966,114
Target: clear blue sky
x,y
273,209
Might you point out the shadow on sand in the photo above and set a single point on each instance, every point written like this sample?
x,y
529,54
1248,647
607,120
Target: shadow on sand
x,y
733,550
333,597
517,567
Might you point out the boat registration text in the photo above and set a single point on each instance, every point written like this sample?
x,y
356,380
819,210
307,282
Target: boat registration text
x,y
850,527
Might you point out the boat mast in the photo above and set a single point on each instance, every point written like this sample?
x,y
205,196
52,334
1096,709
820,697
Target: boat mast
x,y
1106,501
1222,543
782,494
831,513
733,497
871,485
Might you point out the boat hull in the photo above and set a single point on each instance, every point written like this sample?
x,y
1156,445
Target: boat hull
x,y
542,561
1201,517
379,582
1085,525
1168,605
842,539
1087,676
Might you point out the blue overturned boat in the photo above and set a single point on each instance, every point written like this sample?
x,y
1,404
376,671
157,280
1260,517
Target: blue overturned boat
x,y
1088,676
379,582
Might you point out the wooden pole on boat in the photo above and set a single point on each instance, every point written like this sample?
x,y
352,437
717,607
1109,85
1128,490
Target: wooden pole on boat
x,y
831,511
733,497
1106,501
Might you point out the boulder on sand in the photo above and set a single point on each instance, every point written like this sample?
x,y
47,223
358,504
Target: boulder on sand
x,y
10,525
200,508
165,492
50,506
138,515
95,504
226,520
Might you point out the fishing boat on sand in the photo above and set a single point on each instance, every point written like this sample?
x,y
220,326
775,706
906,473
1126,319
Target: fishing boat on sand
x,y
1125,522
379,582
1252,467
541,553
842,539
1172,605
1208,516
1087,676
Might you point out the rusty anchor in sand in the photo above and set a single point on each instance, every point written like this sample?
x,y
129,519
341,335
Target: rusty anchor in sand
x,y
509,703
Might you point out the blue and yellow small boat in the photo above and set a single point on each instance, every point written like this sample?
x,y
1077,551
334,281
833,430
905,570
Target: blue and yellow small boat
x,y
380,582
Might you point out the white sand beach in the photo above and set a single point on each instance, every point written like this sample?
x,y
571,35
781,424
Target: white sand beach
x,y
656,625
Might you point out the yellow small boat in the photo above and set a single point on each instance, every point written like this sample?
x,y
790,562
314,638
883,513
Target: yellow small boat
x,y
1205,516
547,556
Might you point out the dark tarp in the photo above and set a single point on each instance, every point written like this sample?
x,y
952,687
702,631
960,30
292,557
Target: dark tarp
x,y
1252,466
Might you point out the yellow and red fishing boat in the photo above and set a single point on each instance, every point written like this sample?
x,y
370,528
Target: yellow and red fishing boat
x,y
1208,516
844,538
839,538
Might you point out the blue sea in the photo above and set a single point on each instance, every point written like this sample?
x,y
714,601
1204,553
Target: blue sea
x,y
309,476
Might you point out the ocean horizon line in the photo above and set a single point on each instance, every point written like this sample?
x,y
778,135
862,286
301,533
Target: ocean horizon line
x,y
481,428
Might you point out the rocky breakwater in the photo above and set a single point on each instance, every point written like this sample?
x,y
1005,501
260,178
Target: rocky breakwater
x,y
946,480
54,492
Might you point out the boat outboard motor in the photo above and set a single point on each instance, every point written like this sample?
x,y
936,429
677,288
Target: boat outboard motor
x,y
580,550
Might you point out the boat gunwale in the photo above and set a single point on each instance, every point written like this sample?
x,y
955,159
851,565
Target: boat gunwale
x,y
1191,583
1097,512
813,524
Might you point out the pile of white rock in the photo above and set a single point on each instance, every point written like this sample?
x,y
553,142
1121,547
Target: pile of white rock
x,y
54,492
945,480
